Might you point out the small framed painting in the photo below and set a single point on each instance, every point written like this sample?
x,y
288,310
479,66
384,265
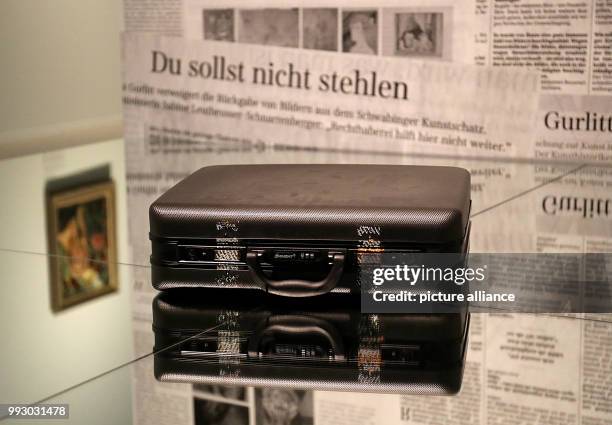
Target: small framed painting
x,y
82,243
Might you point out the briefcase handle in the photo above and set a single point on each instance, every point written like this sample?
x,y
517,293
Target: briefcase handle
x,y
297,326
296,287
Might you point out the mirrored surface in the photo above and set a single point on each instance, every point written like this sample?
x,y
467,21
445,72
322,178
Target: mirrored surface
x,y
234,337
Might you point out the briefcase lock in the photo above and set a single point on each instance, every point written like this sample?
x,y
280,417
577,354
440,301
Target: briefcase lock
x,y
294,336
298,257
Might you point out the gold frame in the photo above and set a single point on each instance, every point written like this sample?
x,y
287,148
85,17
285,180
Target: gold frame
x,y
71,197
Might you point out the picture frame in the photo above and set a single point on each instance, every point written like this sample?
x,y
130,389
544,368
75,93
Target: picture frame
x,y
82,243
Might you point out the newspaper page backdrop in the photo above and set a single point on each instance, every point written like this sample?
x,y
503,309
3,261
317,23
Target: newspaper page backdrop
x,y
547,74
567,43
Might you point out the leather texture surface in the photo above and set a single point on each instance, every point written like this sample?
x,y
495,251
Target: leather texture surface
x,y
422,204
236,321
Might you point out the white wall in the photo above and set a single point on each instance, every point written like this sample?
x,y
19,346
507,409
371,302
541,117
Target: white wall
x,y
60,86
42,352
60,73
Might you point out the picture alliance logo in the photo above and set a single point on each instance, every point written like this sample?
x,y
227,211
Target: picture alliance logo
x,y
413,275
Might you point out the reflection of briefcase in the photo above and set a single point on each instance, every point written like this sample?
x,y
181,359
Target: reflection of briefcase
x,y
245,339
299,230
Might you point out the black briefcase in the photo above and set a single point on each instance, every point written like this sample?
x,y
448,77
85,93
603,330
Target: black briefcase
x,y
232,338
299,230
